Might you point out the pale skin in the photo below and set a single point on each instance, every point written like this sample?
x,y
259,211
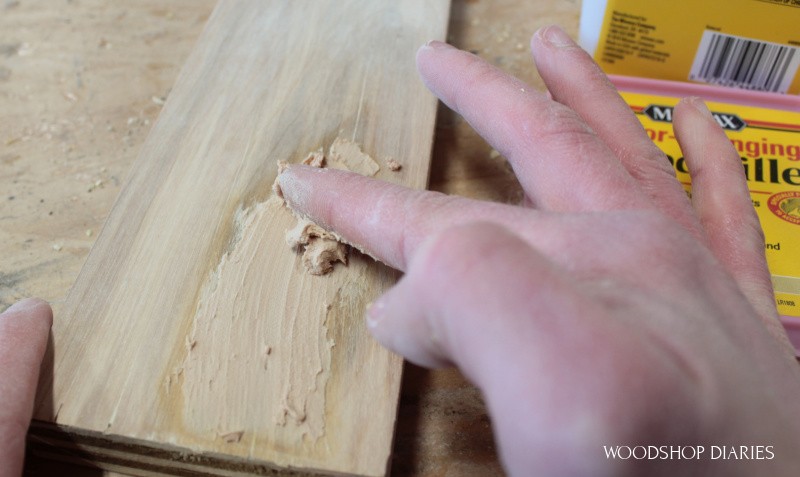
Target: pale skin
x,y
608,310
24,328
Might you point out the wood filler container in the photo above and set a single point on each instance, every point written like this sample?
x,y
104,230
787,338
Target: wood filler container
x,y
739,56
765,130
749,44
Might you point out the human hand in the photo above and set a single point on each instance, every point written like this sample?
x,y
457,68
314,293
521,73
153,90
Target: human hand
x,y
24,329
614,310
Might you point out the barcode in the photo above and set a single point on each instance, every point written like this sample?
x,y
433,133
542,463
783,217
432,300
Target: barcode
x,y
729,60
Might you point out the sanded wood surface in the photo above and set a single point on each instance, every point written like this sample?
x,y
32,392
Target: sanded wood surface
x,y
81,84
193,340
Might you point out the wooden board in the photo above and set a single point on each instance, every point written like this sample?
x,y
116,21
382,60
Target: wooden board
x,y
78,99
193,341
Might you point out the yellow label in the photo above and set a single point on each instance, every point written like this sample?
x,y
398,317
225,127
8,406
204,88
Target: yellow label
x,y
768,142
750,44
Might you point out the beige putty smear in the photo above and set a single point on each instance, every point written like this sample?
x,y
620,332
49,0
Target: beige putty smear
x,y
322,249
225,346
347,155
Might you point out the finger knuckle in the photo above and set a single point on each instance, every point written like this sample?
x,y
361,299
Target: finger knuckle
x,y
448,254
647,164
417,226
560,121
459,254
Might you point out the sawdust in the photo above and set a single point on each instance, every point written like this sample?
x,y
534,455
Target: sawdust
x,y
98,184
393,165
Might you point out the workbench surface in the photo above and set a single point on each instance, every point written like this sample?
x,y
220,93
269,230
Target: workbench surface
x,y
82,81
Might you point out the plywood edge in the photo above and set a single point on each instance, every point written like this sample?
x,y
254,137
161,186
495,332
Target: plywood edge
x,y
141,457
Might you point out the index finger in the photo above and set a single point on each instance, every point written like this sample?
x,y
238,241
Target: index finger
x,y
386,220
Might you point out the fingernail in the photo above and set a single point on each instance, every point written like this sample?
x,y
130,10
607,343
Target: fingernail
x,y
437,45
699,105
555,36
376,311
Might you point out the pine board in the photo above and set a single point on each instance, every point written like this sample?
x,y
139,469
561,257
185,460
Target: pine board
x,y
193,342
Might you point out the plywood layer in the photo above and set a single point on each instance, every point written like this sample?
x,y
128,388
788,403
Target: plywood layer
x,y
193,340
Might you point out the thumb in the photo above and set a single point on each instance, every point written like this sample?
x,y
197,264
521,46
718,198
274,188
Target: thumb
x,y
463,292
24,330
479,297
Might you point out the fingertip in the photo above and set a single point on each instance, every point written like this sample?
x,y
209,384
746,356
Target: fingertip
x,y
427,61
694,122
430,49
35,308
696,129
294,187
695,104
434,45
553,36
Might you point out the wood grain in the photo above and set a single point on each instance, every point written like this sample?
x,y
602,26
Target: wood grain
x,y
78,99
193,340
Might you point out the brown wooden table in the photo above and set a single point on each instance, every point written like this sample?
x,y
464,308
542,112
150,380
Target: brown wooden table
x,y
81,82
